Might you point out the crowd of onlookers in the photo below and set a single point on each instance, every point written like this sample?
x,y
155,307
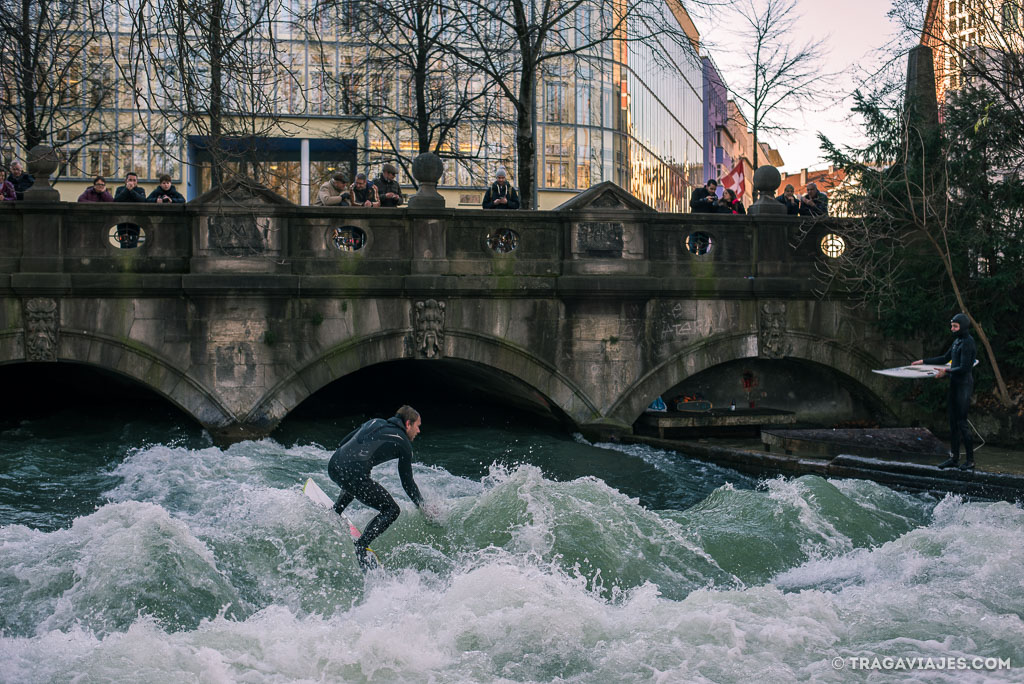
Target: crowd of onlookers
x,y
706,200
384,191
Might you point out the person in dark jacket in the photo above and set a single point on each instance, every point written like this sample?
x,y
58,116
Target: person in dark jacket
x,y
374,442
814,202
20,180
130,191
960,357
501,194
705,200
792,202
388,189
97,192
729,204
165,192
7,192
364,193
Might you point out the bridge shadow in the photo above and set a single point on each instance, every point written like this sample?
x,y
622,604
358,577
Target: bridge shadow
x,y
87,399
447,392
743,395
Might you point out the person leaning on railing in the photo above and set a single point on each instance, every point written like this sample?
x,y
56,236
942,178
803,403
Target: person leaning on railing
x,y
130,191
165,192
388,189
20,180
501,194
97,192
334,192
7,193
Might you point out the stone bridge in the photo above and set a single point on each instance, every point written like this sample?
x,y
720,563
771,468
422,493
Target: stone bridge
x,y
238,306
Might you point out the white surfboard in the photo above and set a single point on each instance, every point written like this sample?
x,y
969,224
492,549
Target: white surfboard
x,y
920,371
312,490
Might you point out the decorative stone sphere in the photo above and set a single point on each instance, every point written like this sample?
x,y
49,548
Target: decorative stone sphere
x,y
427,168
767,179
42,161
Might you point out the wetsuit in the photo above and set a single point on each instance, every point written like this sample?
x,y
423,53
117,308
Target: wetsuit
x,y
961,357
375,442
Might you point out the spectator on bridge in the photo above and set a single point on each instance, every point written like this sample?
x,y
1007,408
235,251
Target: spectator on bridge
x,y
364,194
334,192
388,190
729,204
165,192
501,194
130,191
20,180
7,193
97,192
814,203
789,198
704,200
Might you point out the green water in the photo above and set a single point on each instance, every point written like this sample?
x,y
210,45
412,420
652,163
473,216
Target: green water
x,y
136,550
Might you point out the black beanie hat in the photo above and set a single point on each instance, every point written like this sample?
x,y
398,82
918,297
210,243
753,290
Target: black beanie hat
x,y
962,319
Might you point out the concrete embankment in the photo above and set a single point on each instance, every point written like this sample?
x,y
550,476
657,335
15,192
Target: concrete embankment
x,y
1007,485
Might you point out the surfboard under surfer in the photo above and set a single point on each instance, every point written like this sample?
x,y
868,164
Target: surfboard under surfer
x,y
374,442
960,356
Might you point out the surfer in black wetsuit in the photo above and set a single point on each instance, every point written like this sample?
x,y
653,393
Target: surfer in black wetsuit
x,y
960,356
371,444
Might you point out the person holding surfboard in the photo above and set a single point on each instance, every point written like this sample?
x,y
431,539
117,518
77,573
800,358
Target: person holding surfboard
x,y
960,357
374,442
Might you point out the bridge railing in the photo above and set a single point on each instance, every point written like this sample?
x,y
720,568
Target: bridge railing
x,y
708,252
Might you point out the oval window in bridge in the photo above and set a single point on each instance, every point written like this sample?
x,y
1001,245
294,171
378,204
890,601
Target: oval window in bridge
x,y
503,240
348,238
833,246
126,236
699,243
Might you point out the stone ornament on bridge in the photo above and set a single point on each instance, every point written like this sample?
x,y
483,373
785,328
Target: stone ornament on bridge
x,y
503,240
126,236
346,238
766,182
772,331
42,161
41,321
699,243
428,328
600,239
427,169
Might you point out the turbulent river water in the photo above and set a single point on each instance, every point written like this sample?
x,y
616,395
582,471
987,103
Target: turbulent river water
x,y
135,550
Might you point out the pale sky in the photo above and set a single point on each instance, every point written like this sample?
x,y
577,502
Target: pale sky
x,y
853,30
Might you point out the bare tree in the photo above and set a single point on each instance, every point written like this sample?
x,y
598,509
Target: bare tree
x,y
784,75
514,42
54,80
209,68
404,80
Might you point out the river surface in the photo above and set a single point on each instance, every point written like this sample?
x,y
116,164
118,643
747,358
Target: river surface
x,y
134,550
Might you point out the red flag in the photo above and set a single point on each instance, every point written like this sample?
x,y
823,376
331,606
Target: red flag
x,y
735,181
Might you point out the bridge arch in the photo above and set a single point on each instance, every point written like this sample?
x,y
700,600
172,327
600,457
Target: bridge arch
x,y
853,363
89,348
486,351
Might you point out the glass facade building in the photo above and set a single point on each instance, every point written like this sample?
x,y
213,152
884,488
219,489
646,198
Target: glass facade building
x,y
627,111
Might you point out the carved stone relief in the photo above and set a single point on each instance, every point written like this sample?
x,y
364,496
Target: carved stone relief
x,y
600,239
428,327
772,331
41,324
238,235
